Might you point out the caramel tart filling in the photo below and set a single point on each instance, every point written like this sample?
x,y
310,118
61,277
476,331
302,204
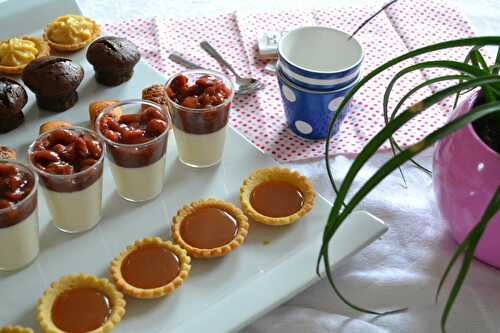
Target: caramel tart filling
x,y
150,267
80,310
208,228
276,199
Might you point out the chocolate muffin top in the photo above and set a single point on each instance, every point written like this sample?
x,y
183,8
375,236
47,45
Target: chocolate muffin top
x,y
113,54
52,76
13,97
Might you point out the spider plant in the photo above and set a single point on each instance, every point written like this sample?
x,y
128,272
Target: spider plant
x,y
470,74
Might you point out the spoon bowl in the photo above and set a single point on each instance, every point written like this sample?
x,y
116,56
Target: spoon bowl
x,y
242,85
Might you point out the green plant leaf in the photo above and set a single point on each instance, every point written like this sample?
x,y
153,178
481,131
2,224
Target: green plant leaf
x,y
471,242
405,98
413,150
372,146
365,22
496,68
477,61
476,41
336,218
466,61
340,210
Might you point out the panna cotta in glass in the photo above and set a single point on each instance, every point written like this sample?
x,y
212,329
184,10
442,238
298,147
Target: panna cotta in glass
x,y
199,103
136,144
69,163
18,215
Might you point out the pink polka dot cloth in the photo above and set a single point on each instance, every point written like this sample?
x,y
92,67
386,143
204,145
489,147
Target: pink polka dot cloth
x,y
260,117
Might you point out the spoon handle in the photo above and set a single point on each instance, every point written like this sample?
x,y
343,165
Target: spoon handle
x,y
177,58
216,55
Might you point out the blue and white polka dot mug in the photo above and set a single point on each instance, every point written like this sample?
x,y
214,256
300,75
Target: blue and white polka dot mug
x,y
320,58
309,112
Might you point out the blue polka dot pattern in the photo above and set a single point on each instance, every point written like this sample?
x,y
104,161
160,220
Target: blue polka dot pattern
x,y
308,112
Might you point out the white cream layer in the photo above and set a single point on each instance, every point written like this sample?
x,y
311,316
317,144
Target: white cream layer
x,y
201,150
139,184
76,211
19,243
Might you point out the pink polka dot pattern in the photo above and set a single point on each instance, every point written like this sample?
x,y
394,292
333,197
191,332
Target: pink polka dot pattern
x,y
260,117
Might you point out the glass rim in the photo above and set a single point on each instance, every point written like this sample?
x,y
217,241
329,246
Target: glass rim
x,y
223,76
79,173
126,103
35,182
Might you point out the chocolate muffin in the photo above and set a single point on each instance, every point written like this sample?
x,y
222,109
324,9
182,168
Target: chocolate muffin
x,y
13,98
113,59
54,81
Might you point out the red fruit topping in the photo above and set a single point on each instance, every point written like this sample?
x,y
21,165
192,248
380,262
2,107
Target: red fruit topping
x,y
206,92
60,168
7,170
135,128
65,153
15,185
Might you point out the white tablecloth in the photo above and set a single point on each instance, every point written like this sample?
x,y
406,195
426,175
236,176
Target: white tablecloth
x,y
403,268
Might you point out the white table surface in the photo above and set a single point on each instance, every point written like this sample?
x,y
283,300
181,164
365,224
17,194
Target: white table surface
x,y
403,268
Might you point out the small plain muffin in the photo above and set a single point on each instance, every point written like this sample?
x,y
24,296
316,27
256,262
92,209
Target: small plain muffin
x,y
54,81
95,108
13,98
53,124
114,59
7,153
155,93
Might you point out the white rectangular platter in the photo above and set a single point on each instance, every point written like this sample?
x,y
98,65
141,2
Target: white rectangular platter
x,y
220,295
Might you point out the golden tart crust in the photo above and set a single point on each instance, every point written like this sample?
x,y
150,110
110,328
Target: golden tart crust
x,y
276,174
234,211
15,329
130,290
44,309
85,29
41,46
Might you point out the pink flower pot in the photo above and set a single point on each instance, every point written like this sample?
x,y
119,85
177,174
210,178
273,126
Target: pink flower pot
x,y
466,175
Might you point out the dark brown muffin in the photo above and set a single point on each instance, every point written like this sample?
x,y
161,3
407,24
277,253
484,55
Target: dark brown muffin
x,y
54,81
113,59
13,98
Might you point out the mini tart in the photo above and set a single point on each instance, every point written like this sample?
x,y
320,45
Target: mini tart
x,y
42,48
130,290
229,208
15,329
76,45
69,282
260,176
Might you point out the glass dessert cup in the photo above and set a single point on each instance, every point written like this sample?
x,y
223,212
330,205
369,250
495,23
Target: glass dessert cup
x,y
138,168
74,199
19,243
200,133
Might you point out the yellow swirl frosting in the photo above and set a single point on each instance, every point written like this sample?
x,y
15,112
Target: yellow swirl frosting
x,y
17,51
70,29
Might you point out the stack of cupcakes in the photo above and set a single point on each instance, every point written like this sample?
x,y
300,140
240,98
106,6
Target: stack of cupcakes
x,y
317,67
